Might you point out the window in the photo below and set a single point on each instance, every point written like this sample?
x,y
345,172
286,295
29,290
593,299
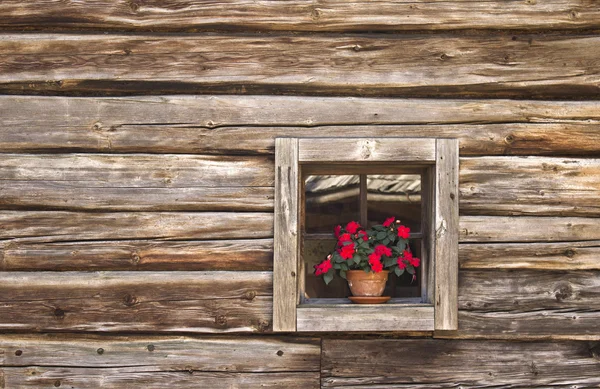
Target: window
x,y
321,182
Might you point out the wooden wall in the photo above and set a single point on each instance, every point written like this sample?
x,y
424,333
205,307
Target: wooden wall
x,y
136,186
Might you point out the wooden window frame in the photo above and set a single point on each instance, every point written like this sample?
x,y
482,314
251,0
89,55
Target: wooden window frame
x,y
440,311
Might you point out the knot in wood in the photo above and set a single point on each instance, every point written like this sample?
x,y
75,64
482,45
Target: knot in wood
x,y
129,300
366,149
18,353
280,353
315,14
564,291
100,351
570,253
250,295
59,313
151,347
57,383
221,320
263,326
509,139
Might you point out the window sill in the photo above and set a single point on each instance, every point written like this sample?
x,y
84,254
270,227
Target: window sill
x,y
371,318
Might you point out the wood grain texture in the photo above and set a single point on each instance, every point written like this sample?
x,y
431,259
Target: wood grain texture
x,y
286,250
528,303
161,353
434,363
231,125
136,301
136,182
242,254
352,318
528,229
466,66
529,185
446,234
351,150
299,15
123,377
60,226
539,256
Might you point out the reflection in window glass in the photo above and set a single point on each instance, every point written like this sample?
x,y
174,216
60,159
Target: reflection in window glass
x,y
331,200
395,195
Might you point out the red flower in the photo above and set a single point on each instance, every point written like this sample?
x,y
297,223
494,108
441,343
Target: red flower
x,y
352,227
401,263
374,257
383,250
407,255
323,267
344,238
363,235
388,222
347,251
415,261
403,232
337,230
375,263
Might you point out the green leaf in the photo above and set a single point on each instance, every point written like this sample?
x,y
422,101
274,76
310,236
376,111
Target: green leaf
x,y
344,266
343,274
381,235
327,277
337,266
398,271
386,241
350,261
389,262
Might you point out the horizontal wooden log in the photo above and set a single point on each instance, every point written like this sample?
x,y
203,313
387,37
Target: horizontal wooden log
x,y
530,185
216,354
48,226
434,363
541,256
250,254
528,229
529,290
467,66
136,182
227,124
136,301
537,324
329,15
116,378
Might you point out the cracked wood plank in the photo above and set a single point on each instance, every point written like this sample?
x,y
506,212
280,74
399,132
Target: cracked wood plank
x,y
465,66
299,15
435,363
230,125
136,301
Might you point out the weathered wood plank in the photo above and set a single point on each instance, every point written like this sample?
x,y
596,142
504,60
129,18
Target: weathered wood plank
x,y
216,124
298,15
541,256
530,185
352,318
57,226
286,230
467,66
216,354
116,378
136,301
249,254
323,150
529,290
528,229
434,363
446,234
136,182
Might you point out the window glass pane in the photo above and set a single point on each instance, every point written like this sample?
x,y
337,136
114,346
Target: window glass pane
x,y
395,195
315,251
330,200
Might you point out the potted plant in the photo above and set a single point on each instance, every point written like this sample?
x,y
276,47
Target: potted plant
x,y
364,257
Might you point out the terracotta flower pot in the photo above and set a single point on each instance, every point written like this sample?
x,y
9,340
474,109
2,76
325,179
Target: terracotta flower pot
x,y
366,284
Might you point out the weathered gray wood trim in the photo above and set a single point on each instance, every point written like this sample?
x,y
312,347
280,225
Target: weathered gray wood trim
x,y
357,318
357,150
446,235
286,235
